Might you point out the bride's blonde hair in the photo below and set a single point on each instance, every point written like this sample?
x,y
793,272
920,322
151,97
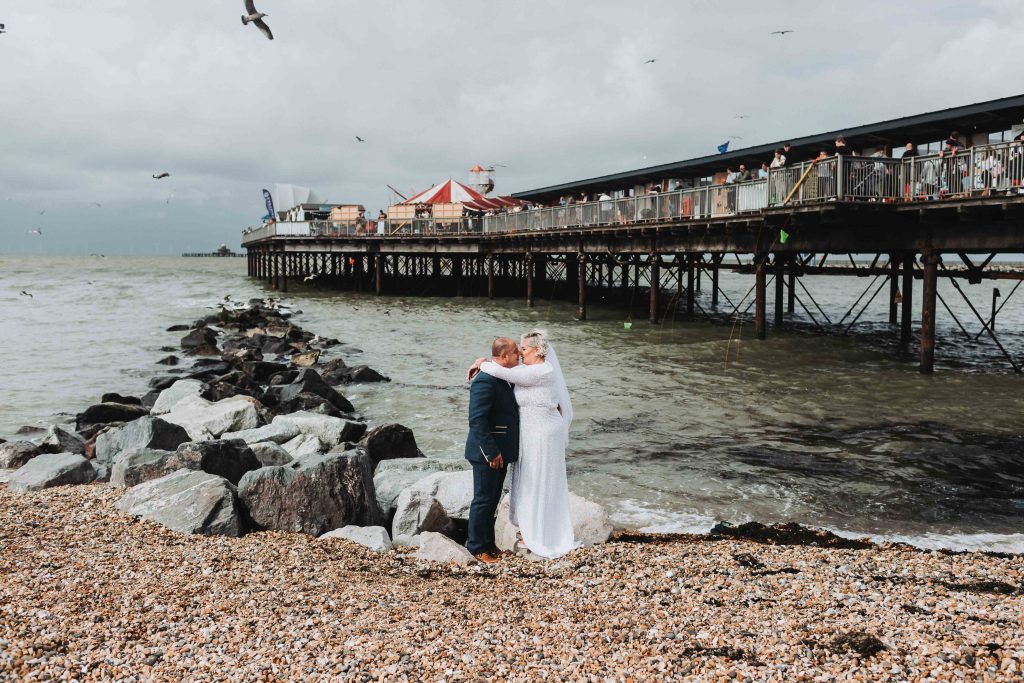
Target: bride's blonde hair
x,y
536,339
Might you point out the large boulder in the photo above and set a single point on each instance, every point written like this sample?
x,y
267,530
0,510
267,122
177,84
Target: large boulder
x,y
52,469
303,445
277,431
359,373
59,440
181,389
187,501
390,442
270,453
105,413
199,338
261,371
205,420
133,467
14,454
309,381
229,459
590,523
453,490
417,512
113,397
313,495
373,537
393,476
331,431
436,547
148,432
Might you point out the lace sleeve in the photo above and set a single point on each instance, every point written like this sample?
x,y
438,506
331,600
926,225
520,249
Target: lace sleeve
x,y
523,375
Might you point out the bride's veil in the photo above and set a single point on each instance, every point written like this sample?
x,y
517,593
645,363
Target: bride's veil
x,y
561,390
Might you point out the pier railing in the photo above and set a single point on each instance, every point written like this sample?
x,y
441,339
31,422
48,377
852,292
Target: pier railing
x,y
983,170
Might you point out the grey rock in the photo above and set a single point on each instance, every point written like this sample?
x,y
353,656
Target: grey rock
x,y
278,431
118,398
105,413
417,511
313,495
187,501
59,440
303,445
14,454
405,542
181,389
590,523
361,373
390,442
199,337
454,490
229,459
131,468
331,431
309,381
392,476
270,453
204,420
373,537
52,469
148,432
436,547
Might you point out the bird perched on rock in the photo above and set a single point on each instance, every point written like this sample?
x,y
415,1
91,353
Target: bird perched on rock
x,y
255,17
161,175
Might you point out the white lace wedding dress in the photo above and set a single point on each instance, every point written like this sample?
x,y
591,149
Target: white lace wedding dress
x,y
539,490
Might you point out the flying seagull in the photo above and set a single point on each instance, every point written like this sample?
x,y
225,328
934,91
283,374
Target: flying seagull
x,y
256,18
650,61
741,116
735,137
308,278
2,29
24,293
161,175
782,33
359,139
36,231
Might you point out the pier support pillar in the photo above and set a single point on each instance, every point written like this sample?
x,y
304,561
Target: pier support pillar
x,y
378,272
490,276
715,261
655,287
581,276
791,289
907,311
282,282
894,288
780,281
760,294
930,260
690,293
528,267
457,272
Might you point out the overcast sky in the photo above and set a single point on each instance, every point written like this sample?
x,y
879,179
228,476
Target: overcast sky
x,y
97,96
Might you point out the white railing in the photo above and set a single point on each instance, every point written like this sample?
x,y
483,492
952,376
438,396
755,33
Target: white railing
x,y
981,171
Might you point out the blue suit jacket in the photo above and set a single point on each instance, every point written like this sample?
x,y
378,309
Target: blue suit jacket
x,y
493,420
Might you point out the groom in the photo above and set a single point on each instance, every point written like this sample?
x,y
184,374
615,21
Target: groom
x,y
492,445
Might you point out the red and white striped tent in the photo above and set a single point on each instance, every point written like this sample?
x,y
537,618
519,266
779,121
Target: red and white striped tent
x,y
454,192
448,192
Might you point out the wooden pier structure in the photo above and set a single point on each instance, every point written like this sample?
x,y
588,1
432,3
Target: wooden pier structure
x,y
669,244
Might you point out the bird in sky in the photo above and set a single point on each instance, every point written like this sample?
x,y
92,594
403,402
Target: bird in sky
x,y
24,293
782,33
96,204
2,30
498,166
255,17
161,175
42,212
35,231
741,116
735,137
359,139
650,61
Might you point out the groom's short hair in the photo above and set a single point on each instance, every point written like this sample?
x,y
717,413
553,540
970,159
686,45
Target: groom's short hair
x,y
501,346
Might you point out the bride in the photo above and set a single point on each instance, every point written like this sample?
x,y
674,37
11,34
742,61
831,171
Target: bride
x,y
539,491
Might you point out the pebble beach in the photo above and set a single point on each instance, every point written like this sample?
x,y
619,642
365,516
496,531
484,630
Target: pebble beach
x,y
89,593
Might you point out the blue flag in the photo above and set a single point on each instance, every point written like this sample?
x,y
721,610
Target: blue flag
x,y
724,147
270,206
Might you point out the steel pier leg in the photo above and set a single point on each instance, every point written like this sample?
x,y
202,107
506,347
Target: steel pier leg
x,y
760,294
928,290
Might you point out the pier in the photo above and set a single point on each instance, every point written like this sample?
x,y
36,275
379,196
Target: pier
x,y
917,219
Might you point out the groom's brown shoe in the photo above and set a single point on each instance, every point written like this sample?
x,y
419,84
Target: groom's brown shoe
x,y
488,558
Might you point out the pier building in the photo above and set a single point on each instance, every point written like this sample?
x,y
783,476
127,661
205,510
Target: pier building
x,y
945,210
